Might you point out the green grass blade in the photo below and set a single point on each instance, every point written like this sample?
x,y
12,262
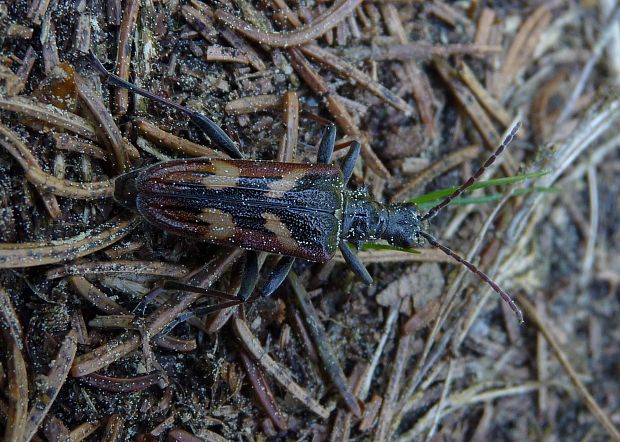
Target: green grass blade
x,y
440,194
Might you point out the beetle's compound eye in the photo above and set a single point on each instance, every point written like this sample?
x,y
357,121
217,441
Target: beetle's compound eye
x,y
403,225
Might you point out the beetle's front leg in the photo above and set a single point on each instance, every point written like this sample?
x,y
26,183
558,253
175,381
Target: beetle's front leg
x,y
326,146
354,262
349,161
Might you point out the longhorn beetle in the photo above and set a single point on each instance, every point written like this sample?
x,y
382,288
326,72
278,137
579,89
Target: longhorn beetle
x,y
296,210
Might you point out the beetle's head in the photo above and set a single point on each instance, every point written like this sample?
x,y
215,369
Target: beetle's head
x,y
402,225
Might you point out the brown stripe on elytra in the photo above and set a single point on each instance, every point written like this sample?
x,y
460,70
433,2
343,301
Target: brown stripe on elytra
x,y
220,225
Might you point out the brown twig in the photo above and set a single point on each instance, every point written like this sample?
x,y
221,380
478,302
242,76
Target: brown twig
x,y
320,25
593,406
336,109
280,374
83,430
17,377
38,254
288,144
150,268
96,297
121,385
419,82
157,321
440,166
358,77
321,342
123,55
254,103
263,392
109,130
59,369
49,115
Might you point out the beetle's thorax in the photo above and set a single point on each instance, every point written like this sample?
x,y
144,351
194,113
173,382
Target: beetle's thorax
x,y
365,219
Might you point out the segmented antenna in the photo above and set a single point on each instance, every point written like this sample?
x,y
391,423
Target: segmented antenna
x,y
479,273
435,210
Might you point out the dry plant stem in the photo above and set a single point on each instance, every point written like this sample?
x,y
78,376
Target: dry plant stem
x,y
123,55
382,256
96,297
263,392
24,70
157,321
242,46
288,144
226,55
522,48
591,403
287,12
84,430
46,182
10,321
371,367
602,115
442,165
441,403
151,268
59,369
417,51
324,349
606,35
17,391
16,255
319,26
200,22
588,256
459,400
72,143
488,101
420,85
174,143
336,109
49,115
121,385
178,435
109,131
390,397
251,104
358,77
114,428
280,374
176,344
469,103
55,429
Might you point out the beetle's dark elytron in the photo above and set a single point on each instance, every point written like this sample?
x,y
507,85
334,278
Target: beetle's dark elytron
x,y
296,210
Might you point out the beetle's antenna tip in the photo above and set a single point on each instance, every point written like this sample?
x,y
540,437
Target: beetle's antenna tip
x,y
472,179
479,273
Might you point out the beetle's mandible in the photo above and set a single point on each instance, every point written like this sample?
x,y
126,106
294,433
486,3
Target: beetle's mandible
x,y
296,210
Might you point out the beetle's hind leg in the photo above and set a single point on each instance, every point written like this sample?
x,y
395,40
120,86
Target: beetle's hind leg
x,y
354,262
